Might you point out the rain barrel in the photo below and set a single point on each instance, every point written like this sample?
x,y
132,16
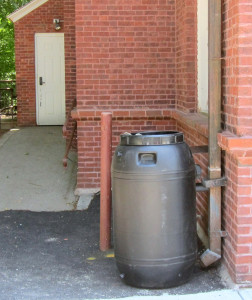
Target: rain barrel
x,y
154,211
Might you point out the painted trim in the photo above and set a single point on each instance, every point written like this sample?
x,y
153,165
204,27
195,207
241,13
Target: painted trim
x,y
36,74
202,55
50,34
25,10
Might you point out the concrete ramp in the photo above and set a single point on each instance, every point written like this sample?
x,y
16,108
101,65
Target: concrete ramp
x,y
32,176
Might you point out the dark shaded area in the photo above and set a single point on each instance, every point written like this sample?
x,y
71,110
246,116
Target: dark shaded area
x,y
6,123
45,256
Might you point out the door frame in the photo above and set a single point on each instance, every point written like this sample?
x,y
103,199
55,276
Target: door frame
x,y
37,35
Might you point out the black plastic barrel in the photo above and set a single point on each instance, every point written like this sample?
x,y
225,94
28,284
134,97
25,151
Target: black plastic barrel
x,y
154,213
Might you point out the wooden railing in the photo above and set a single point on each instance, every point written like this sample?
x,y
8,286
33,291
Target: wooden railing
x,y
7,106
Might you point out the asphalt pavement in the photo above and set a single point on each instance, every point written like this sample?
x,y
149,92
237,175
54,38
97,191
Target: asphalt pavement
x,y
55,255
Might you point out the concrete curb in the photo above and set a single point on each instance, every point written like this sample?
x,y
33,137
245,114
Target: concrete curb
x,y
244,294
85,197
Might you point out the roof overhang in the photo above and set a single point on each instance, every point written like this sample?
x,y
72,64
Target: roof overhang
x,y
25,10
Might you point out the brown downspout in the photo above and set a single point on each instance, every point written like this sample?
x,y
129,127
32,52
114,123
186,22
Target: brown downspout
x,y
213,254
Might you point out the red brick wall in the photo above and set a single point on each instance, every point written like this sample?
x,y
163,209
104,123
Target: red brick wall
x,y
125,54
125,61
40,21
237,206
236,141
237,66
237,214
89,144
89,131
186,55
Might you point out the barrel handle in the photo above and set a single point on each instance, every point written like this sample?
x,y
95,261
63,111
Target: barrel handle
x,y
147,159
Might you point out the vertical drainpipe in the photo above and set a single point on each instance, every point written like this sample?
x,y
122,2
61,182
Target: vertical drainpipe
x,y
105,197
213,254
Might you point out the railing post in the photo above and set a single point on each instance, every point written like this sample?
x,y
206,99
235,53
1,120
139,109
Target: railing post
x,y
105,197
64,132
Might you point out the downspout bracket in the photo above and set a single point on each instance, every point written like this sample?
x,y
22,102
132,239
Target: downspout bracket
x,y
210,183
220,233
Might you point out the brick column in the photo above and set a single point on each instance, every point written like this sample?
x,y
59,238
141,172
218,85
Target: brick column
x,y
237,208
236,140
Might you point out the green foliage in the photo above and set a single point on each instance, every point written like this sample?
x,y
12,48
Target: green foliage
x,y
7,53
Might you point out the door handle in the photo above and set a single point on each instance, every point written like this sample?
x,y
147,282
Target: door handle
x,y
41,82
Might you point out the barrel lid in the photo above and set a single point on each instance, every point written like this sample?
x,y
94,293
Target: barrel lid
x,y
149,138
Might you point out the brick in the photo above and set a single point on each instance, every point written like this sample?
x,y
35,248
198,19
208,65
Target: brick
x,y
242,250
246,279
243,230
242,269
245,200
246,220
244,239
243,172
121,113
244,180
245,161
245,259
138,113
